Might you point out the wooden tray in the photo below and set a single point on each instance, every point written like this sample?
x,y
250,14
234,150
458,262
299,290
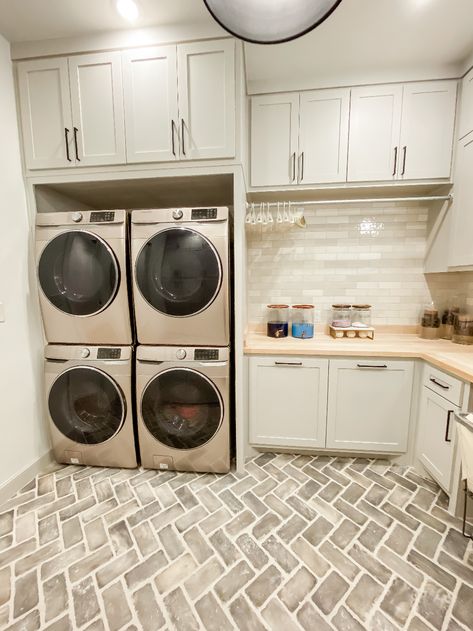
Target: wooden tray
x,y
368,333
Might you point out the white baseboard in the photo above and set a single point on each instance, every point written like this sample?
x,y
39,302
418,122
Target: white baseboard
x,y
18,481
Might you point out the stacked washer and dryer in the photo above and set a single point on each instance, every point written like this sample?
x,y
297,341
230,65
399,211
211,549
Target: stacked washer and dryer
x,y
137,364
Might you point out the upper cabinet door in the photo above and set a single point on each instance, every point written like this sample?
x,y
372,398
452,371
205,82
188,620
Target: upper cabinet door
x,y
375,122
461,250
46,113
323,136
97,108
466,108
274,139
151,114
428,121
206,85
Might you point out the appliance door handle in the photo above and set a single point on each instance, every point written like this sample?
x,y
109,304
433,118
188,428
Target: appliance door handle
x,y
302,166
295,364
442,385
395,160
375,366
293,159
76,145
404,149
183,129
447,428
173,141
66,138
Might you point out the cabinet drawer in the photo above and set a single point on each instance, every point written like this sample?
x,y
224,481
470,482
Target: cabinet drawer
x,y
448,387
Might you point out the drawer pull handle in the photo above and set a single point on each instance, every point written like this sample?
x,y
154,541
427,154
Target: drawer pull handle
x,y
288,363
439,383
371,365
447,429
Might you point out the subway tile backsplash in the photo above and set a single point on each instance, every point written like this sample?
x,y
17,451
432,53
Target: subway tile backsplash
x,y
372,254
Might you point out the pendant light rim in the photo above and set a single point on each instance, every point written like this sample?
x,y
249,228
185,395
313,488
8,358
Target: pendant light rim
x,y
275,41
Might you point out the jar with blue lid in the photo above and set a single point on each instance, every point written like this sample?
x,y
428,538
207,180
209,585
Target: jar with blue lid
x,y
303,321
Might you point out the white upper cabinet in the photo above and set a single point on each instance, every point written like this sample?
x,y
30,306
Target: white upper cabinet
x,y
206,80
151,111
323,136
46,114
427,130
97,108
375,122
466,109
288,401
274,140
369,405
461,249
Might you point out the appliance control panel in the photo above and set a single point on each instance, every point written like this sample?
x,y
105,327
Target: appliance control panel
x,y
204,213
109,353
102,216
206,354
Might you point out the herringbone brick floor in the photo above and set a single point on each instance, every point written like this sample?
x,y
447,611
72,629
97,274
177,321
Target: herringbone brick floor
x,y
295,543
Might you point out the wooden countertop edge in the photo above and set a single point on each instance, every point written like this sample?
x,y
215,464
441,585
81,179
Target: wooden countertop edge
x,y
438,358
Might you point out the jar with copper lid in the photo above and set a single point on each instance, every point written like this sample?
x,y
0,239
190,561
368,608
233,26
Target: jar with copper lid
x,y
463,329
303,321
278,321
341,316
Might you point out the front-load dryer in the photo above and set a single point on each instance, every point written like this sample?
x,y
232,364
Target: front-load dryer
x,y
82,274
89,403
182,396
180,276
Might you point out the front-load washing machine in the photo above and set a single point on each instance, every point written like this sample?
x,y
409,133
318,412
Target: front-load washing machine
x,y
180,276
183,408
89,403
82,274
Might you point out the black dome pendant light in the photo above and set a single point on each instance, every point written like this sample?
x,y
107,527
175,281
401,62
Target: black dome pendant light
x,y
270,21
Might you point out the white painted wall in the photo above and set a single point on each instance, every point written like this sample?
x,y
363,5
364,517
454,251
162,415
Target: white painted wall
x,y
23,439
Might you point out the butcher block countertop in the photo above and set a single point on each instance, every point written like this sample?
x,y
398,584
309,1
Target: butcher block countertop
x,y
453,358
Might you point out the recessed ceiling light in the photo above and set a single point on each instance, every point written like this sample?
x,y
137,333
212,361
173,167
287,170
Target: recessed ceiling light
x,y
128,9
270,21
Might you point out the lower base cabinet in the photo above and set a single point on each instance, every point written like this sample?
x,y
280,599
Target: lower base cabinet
x,y
435,436
288,402
369,405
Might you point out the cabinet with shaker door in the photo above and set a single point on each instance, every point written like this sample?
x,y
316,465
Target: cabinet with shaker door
x,y
180,101
72,111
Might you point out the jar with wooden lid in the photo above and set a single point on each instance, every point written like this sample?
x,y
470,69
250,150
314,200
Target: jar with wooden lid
x,y
430,322
463,329
303,321
278,321
341,316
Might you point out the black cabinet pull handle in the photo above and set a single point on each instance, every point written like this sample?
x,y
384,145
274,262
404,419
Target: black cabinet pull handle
x,y
447,429
404,160
173,125
75,142
66,137
439,384
288,363
302,166
293,158
395,160
371,365
183,129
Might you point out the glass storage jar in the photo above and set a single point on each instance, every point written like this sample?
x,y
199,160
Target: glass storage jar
x,y
448,317
361,316
430,322
341,316
278,321
463,329
303,321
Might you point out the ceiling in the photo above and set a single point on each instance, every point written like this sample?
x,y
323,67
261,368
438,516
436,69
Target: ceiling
x,y
364,41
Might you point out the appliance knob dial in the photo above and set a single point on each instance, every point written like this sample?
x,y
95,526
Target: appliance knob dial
x,y
85,353
77,217
181,354
177,214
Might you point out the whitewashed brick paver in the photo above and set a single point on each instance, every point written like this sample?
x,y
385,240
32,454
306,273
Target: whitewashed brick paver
x,y
295,543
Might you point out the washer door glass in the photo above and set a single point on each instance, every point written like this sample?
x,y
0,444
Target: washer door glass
x,y
181,408
179,272
78,273
86,405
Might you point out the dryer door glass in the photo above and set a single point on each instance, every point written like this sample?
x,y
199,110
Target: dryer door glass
x,y
78,273
179,272
86,405
182,409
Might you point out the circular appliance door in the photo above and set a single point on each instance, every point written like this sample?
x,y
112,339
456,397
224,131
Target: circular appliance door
x,y
86,405
181,408
179,272
78,273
